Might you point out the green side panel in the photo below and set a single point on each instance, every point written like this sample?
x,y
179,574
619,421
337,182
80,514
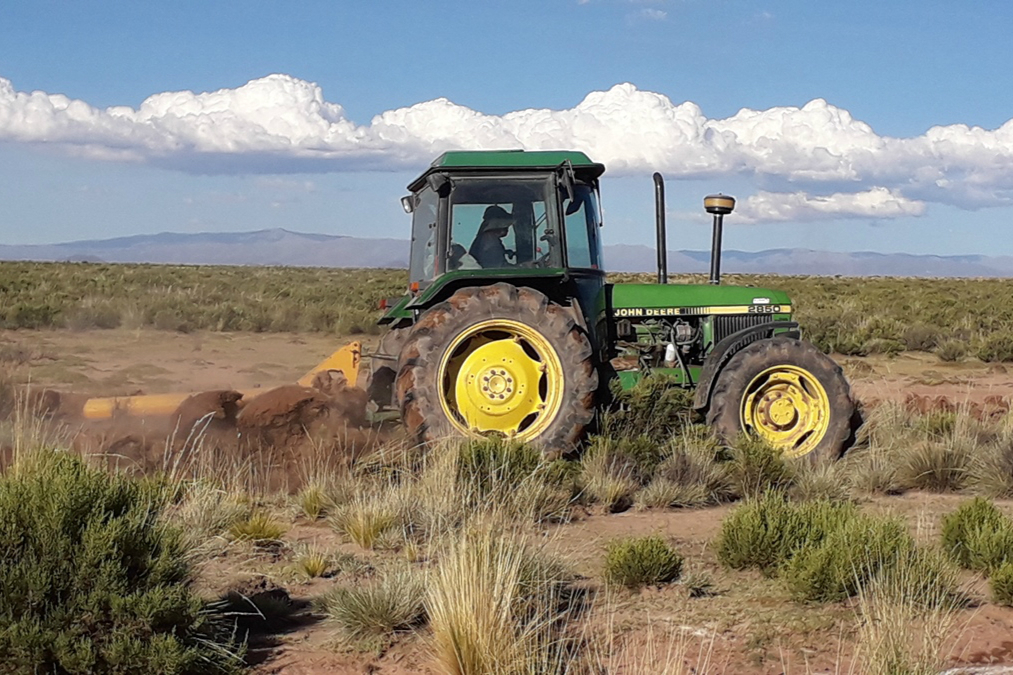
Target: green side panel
x,y
509,159
653,296
397,313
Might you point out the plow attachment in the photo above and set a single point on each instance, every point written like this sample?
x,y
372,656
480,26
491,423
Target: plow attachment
x,y
345,361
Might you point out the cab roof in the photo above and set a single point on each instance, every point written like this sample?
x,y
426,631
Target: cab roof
x,y
492,160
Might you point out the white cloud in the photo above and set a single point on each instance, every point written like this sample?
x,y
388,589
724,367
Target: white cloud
x,y
798,206
279,124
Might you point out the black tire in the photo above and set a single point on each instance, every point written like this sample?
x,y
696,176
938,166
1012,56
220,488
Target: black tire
x,y
745,374
422,397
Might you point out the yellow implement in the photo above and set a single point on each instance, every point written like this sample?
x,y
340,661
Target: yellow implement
x,y
345,360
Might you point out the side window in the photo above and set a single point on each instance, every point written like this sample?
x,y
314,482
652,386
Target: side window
x,y
423,255
581,221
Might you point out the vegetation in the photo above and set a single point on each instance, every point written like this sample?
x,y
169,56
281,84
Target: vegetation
x,y
91,580
952,317
641,561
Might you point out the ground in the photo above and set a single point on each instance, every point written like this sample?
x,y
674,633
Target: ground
x,y
744,623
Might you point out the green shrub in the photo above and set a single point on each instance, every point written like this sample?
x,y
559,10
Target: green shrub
x,y
1001,585
996,347
92,580
920,337
846,559
656,408
756,467
765,532
974,535
951,350
637,562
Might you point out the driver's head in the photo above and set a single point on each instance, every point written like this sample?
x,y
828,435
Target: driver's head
x,y
496,221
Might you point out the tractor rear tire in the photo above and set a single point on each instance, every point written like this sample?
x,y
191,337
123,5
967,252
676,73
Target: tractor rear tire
x,y
498,361
788,393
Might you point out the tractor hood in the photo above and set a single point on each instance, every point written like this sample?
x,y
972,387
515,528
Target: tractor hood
x,y
645,300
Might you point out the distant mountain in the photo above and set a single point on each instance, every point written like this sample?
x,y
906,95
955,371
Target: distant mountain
x,y
284,247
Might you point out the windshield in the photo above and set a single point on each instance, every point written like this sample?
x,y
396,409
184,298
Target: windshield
x,y
500,223
423,255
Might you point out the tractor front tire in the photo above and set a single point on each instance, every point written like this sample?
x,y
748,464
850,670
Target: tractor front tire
x,y
789,394
498,361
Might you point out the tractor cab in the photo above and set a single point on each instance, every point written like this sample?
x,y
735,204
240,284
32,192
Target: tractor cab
x,y
504,213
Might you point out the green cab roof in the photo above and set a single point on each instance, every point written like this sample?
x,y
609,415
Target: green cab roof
x,y
487,160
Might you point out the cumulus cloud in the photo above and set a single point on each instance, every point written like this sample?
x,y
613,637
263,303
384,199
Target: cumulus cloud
x,y
878,202
280,124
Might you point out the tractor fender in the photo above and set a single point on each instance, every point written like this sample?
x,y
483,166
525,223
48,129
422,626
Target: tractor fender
x,y
727,348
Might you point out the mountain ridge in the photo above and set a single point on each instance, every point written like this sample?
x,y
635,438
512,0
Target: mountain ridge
x,y
281,246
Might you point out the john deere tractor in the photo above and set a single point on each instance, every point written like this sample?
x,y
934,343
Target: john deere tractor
x,y
509,327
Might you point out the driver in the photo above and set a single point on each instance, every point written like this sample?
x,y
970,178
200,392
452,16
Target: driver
x,y
488,249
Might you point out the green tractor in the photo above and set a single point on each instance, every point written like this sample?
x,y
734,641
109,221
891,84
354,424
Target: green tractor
x,y
510,328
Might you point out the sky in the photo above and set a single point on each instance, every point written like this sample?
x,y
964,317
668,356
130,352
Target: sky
x,y
847,126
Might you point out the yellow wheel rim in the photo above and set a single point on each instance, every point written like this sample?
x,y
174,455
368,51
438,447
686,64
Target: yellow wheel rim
x,y
787,407
501,377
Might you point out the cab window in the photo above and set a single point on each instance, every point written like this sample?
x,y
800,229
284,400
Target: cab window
x,y
582,219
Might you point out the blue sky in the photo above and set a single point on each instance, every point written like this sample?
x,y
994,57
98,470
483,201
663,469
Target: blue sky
x,y
858,132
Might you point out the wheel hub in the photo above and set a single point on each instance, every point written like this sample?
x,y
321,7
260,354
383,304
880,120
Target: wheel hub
x,y
497,384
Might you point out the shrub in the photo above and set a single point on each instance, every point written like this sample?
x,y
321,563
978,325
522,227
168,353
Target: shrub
x,y
951,350
756,467
975,535
392,603
91,579
764,532
1001,585
637,562
920,337
995,347
692,465
846,559
657,407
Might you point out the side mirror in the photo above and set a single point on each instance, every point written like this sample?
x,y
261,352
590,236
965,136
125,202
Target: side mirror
x,y
439,183
408,204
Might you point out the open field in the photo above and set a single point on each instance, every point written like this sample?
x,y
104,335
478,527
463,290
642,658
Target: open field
x,y
314,541
953,318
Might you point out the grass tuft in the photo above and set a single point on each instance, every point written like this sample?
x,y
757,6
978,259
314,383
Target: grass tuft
x,y
259,528
392,603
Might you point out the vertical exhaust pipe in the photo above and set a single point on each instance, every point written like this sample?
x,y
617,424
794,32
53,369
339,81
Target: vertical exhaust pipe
x,y
719,205
659,221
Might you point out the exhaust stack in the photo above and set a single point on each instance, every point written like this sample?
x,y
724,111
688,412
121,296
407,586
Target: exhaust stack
x,y
719,205
659,220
